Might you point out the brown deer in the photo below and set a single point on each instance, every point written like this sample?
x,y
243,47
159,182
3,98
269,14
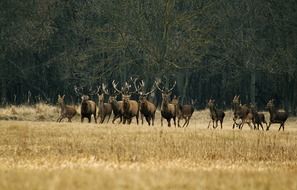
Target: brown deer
x,y
168,110
66,111
117,106
276,116
147,108
130,107
104,109
215,114
88,107
185,112
258,118
241,112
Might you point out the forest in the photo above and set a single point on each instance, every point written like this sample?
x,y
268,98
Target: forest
x,y
211,48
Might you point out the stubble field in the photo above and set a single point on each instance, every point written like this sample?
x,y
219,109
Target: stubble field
x,y
42,154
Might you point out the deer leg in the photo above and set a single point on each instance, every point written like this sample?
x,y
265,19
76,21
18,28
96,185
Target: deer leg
x,y
82,119
108,118
153,120
174,121
161,121
208,124
221,121
216,123
148,120
268,126
142,119
168,121
94,118
69,119
261,127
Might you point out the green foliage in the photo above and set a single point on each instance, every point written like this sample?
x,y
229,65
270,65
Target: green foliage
x,y
213,48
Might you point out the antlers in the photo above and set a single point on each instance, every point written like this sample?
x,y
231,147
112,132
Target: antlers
x,y
79,90
164,90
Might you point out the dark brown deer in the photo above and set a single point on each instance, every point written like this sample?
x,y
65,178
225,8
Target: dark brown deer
x,y
104,109
147,108
88,107
168,110
258,118
66,111
276,116
130,107
241,112
215,114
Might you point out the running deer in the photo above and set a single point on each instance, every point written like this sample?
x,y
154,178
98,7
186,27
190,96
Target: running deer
x,y
147,108
130,107
104,109
183,111
276,116
66,111
215,114
168,110
88,107
241,112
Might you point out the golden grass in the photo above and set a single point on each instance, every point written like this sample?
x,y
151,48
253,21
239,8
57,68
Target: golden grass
x,y
49,155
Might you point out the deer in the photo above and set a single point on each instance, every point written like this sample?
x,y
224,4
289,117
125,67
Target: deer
x,y
130,107
258,118
241,112
88,107
183,111
276,116
147,108
117,106
104,109
66,111
168,110
215,114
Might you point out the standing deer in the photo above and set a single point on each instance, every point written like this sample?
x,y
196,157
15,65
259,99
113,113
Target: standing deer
x,y
147,108
258,118
130,107
215,114
66,111
117,106
88,107
241,112
168,110
276,116
104,109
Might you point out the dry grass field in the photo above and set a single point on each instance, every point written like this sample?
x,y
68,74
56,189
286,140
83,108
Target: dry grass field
x,y
38,153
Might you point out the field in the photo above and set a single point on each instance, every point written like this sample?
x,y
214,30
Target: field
x,y
38,153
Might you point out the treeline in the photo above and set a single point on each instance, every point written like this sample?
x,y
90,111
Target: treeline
x,y
212,48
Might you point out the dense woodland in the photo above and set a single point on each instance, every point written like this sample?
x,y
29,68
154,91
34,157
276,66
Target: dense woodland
x,y
212,48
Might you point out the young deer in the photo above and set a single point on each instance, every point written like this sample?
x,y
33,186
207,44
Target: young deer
x,y
276,116
66,111
258,118
215,114
104,109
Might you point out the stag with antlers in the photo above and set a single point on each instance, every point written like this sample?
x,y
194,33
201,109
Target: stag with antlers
x,y
147,108
88,107
241,112
130,107
168,110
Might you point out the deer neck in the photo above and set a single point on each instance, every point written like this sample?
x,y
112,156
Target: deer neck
x,y
63,106
272,111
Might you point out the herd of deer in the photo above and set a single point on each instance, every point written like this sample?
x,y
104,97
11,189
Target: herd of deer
x,y
126,109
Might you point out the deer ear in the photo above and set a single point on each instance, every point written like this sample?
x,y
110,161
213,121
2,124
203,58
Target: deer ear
x,y
63,96
59,96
